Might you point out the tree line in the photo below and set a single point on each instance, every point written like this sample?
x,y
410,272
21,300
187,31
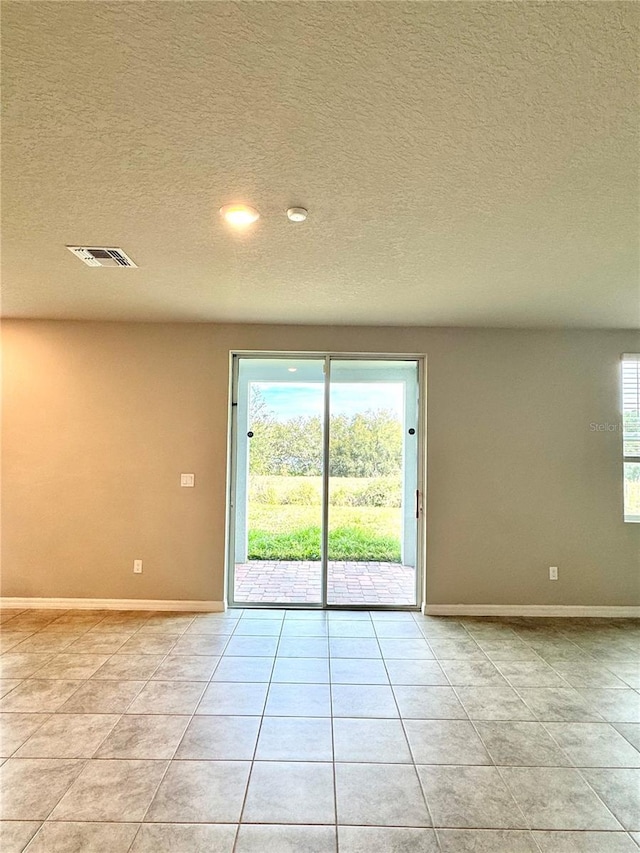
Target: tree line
x,y
367,444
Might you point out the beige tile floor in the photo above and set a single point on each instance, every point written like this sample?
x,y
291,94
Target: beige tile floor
x,y
275,732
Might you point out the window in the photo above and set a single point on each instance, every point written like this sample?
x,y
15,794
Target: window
x,y
631,434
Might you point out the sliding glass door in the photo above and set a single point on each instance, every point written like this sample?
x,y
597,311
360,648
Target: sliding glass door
x,y
325,482
373,481
279,468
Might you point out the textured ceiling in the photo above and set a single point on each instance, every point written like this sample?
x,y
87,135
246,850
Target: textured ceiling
x,y
463,163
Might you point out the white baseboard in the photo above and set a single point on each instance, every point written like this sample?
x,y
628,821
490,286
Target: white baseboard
x,y
112,604
28,603
575,610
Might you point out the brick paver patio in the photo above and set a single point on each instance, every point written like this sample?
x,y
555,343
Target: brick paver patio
x,y
293,582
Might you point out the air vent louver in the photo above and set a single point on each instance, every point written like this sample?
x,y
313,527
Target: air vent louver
x,y
102,257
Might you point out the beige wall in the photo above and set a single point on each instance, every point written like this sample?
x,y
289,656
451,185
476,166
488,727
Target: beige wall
x,y
100,419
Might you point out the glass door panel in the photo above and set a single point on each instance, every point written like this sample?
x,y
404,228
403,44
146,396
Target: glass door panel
x,y
324,500
277,502
373,480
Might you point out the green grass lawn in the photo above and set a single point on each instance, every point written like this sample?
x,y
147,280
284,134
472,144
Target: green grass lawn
x,y
345,543
290,532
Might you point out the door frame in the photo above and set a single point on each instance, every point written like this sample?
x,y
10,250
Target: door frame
x,y
234,356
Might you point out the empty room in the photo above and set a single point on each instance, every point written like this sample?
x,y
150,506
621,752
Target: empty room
x,y
320,448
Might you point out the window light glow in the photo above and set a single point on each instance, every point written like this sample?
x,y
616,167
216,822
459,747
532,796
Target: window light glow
x,y
630,435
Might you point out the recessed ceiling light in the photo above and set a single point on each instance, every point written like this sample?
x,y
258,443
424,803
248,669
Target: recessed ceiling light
x,y
292,369
297,214
239,215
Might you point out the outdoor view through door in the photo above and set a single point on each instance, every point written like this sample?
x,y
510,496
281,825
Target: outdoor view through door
x,y
325,481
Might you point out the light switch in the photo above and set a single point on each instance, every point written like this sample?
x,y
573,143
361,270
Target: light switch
x,y
187,480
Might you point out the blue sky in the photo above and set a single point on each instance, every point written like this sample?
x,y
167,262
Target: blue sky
x,y
291,399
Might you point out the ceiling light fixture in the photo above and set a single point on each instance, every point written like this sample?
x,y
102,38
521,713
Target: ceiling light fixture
x,y
239,215
297,214
292,369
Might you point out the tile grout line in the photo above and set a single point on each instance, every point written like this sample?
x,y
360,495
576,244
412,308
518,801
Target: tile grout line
x,y
517,691
59,799
255,749
149,680
87,760
192,716
81,682
598,797
177,746
498,767
526,822
333,742
455,693
413,761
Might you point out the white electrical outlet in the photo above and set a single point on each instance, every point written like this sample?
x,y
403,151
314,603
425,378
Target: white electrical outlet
x,y
137,567
553,573
187,480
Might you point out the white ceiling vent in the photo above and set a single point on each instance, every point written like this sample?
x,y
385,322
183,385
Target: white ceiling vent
x,y
101,257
